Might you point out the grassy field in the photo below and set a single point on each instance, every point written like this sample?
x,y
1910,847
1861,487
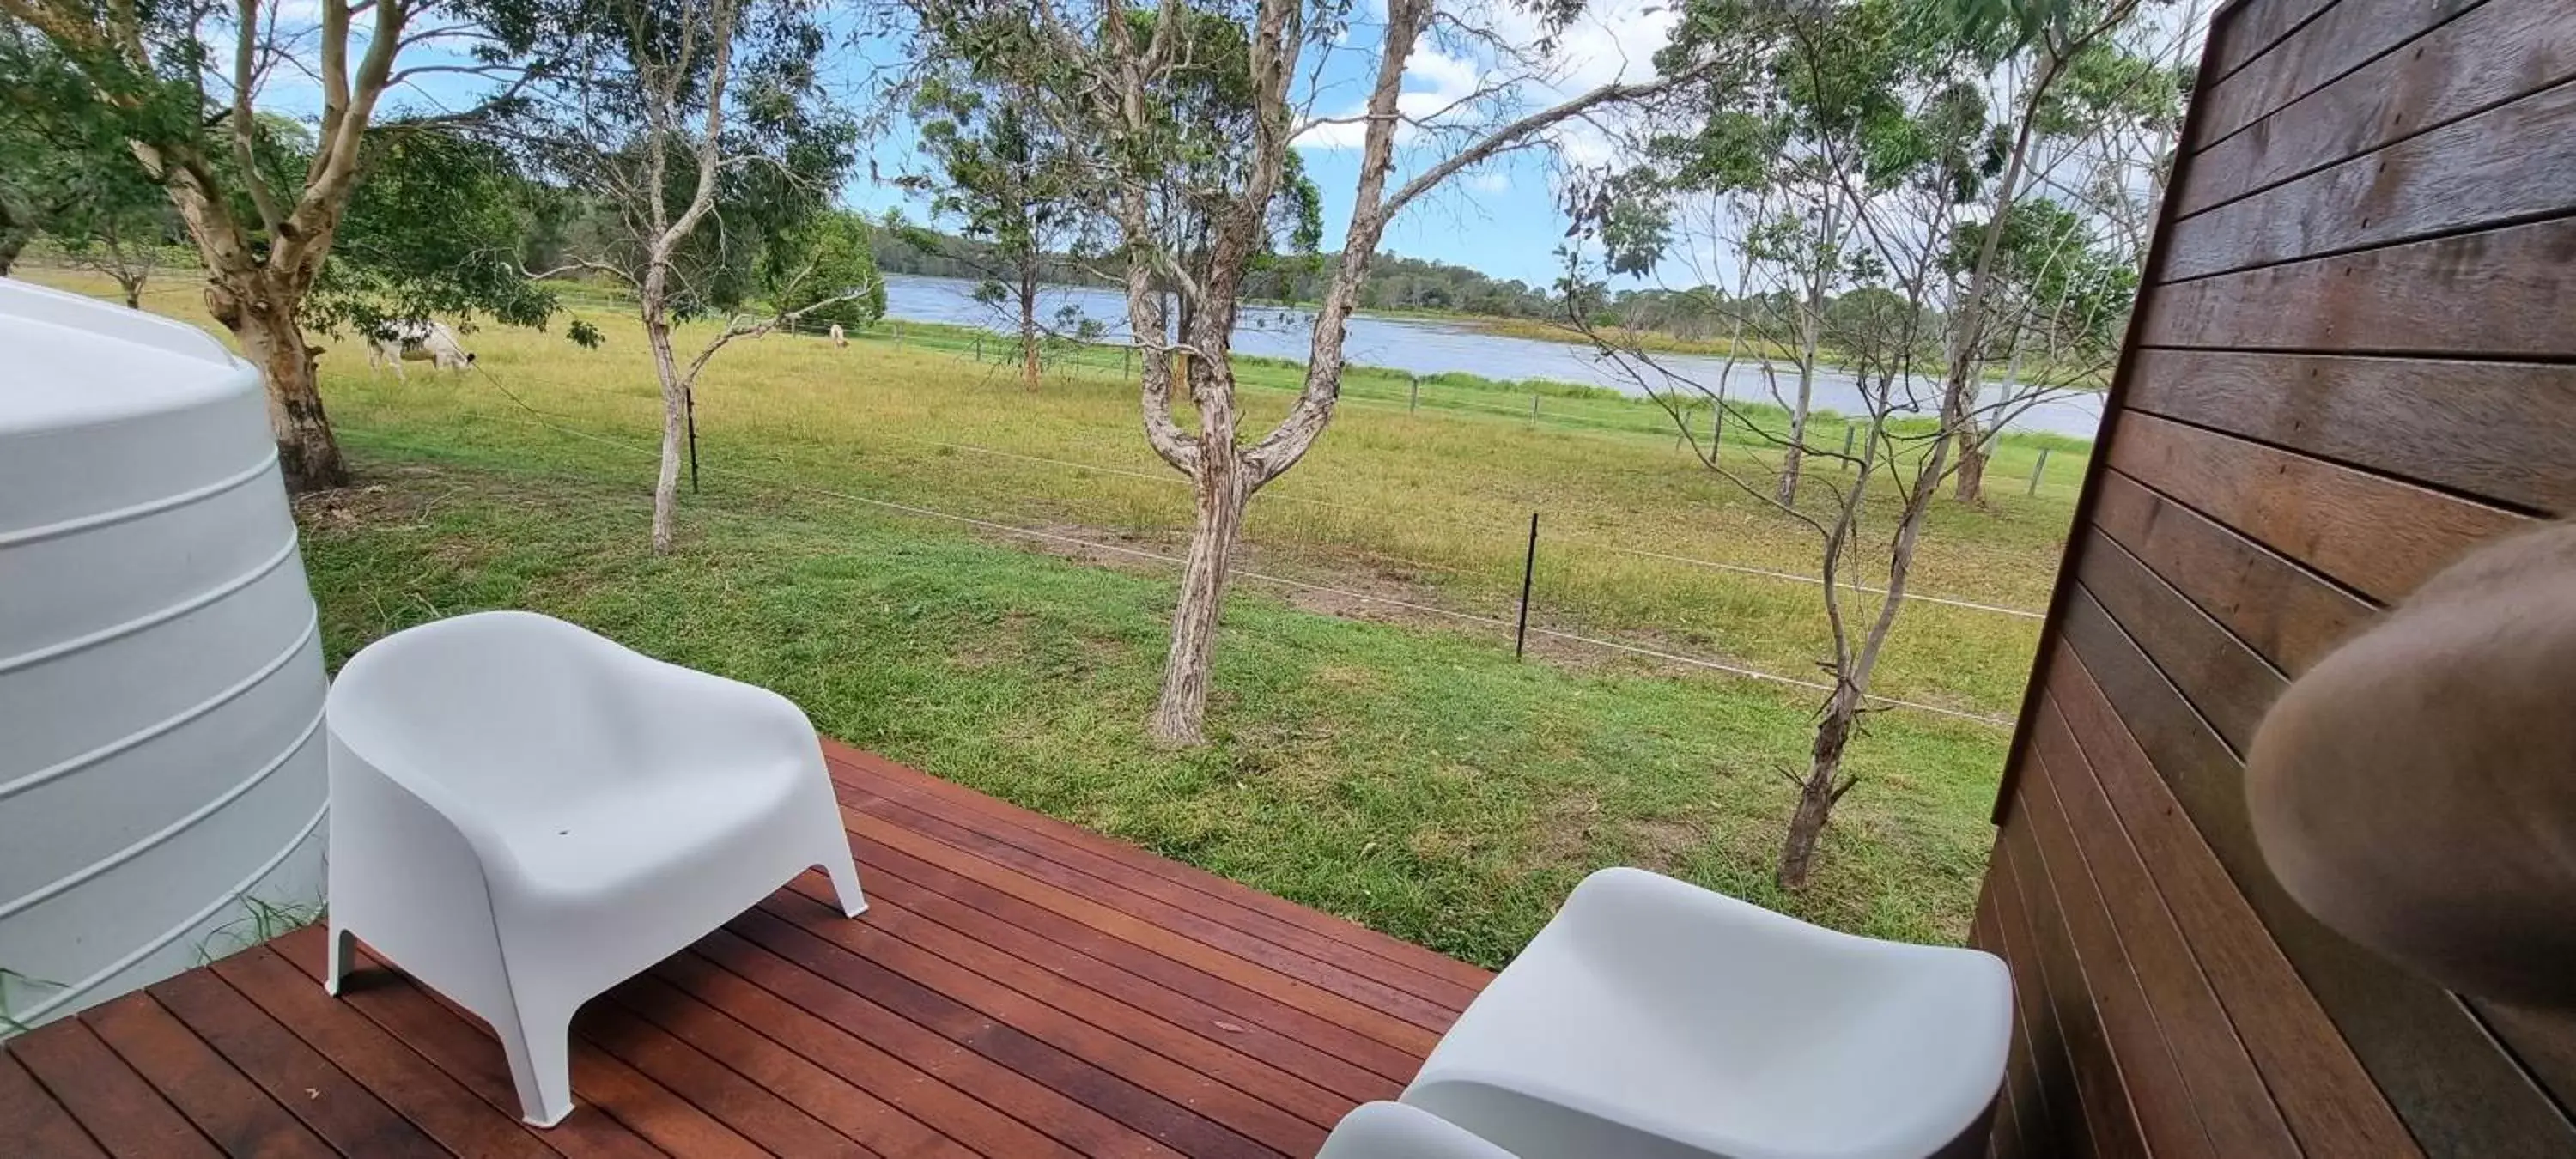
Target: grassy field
x,y
1395,766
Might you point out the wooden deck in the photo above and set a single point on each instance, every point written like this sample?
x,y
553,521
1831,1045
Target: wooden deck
x,y
1019,987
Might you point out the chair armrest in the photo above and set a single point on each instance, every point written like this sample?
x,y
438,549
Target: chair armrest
x,y
413,881
1396,1131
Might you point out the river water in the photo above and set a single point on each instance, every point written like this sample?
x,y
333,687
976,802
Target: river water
x,y
1431,347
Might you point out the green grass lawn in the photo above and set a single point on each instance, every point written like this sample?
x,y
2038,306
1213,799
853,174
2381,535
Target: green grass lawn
x,y
1401,770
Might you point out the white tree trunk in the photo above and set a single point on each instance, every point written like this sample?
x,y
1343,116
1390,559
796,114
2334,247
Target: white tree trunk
x,y
1223,488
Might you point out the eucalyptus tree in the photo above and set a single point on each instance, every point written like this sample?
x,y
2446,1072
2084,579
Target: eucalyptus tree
x,y
1926,152
180,84
1192,109
2071,79
703,136
1008,175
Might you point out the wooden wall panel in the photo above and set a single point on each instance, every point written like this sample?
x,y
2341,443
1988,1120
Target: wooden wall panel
x,y
2354,360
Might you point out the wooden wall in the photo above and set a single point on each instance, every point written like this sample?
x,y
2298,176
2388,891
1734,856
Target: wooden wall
x,y
2355,358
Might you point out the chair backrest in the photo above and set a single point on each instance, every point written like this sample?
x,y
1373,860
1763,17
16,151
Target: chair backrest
x,y
496,706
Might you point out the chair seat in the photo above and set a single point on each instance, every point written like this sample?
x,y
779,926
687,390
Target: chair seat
x,y
580,848
1652,1017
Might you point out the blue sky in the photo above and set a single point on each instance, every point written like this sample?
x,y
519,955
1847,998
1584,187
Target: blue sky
x,y
1502,218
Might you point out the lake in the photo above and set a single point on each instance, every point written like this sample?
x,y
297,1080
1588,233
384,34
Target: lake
x,y
1433,347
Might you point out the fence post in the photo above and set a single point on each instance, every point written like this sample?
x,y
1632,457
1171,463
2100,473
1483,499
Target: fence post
x,y
689,402
898,335
2036,471
1847,440
1413,393
1529,567
1533,408
979,348
1126,365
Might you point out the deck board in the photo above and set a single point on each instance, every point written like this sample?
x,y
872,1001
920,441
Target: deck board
x,y
1020,987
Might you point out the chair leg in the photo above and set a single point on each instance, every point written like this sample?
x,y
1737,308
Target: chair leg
x,y
845,881
335,963
539,1046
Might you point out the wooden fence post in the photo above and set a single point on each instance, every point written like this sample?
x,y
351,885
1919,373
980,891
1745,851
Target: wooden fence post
x,y
1413,391
2036,470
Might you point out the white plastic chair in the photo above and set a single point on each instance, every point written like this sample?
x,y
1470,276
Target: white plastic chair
x,y
524,814
1396,1131
1653,1018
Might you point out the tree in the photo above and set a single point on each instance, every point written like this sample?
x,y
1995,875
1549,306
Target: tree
x,y
1905,194
1008,176
179,83
119,225
2071,82
1191,110
1799,107
701,132
824,272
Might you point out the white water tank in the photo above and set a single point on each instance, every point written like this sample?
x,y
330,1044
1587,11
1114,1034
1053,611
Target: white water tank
x,y
161,760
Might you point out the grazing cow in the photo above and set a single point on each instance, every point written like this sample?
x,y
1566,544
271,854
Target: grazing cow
x,y
838,338
417,341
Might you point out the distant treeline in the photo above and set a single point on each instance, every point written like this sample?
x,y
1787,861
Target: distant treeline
x,y
1394,282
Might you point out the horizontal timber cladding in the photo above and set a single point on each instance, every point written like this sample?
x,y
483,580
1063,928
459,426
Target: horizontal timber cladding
x,y
2354,360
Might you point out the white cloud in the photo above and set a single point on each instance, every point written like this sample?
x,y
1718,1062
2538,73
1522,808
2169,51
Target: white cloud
x,y
1450,80
1613,40
1494,181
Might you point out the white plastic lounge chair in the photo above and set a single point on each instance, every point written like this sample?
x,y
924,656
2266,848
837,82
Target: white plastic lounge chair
x,y
1396,1131
524,814
1655,1018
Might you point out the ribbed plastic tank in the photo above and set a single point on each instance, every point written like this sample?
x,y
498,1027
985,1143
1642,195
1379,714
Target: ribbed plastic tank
x,y
161,757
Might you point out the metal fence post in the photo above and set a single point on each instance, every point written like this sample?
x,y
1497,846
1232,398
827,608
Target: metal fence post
x,y
689,402
1529,567
2036,470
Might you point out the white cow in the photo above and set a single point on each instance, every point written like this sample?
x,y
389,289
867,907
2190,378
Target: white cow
x,y
838,338
428,341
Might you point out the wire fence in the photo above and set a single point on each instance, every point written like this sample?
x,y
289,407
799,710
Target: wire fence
x,y
773,484
1421,604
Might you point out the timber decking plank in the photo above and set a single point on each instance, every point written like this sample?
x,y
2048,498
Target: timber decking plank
x,y
1415,958
1076,1022
1238,1004
2494,429
852,1110
1051,982
2497,293
979,1009
835,1047
1081,1081
330,1104
421,1092
227,1107
1284,987
761,1118
32,1123
1033,1103
458,1046
2496,52
117,1106
1224,892
1346,1081
2377,535
1447,996
1368,992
